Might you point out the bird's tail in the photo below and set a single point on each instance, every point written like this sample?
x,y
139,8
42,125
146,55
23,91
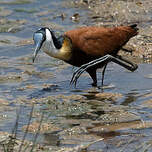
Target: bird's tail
x,y
134,26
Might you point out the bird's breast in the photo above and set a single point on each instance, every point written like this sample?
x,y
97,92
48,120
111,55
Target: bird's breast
x,y
64,53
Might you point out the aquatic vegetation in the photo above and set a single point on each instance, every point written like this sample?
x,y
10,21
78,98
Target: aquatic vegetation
x,y
26,10
16,2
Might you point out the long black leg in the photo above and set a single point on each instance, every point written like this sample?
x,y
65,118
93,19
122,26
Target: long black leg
x,y
108,58
103,72
92,73
133,66
81,69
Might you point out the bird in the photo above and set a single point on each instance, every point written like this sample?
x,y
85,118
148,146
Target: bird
x,y
88,47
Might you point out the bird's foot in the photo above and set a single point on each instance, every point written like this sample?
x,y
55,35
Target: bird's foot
x,y
94,84
108,86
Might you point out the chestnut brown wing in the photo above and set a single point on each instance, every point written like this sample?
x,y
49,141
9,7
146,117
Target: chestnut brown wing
x,y
99,41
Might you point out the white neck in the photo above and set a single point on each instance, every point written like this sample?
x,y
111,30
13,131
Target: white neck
x,y
48,45
64,53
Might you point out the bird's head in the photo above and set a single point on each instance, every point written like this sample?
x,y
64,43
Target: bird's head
x,y
44,38
40,36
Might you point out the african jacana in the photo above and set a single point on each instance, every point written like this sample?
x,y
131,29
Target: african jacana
x,y
89,47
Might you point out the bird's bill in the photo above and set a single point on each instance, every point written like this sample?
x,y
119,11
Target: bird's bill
x,y
38,40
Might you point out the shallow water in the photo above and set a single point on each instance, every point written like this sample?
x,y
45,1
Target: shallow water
x,y
22,82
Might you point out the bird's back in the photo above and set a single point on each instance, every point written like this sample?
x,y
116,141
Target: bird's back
x,y
99,41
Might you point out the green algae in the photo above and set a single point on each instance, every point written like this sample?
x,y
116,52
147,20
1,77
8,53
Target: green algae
x,y
16,2
26,10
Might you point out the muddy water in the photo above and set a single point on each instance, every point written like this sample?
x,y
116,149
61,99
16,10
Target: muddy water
x,y
119,119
